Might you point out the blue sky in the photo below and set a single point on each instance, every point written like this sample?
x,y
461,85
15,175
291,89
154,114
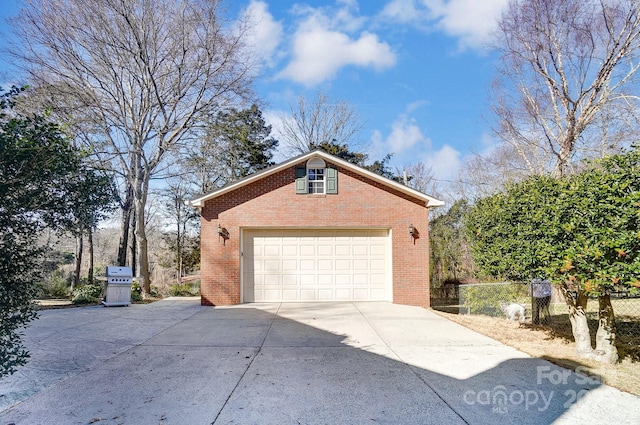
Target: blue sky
x,y
416,71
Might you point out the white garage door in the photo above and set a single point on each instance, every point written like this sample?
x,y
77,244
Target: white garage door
x,y
316,265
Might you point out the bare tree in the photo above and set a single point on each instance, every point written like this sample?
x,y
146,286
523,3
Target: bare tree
x,y
181,219
567,86
420,177
486,173
137,74
322,120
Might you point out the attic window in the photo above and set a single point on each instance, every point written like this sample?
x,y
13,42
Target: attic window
x,y
316,178
315,175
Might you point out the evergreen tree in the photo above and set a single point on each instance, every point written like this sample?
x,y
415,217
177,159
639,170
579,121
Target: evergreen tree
x,y
38,167
244,140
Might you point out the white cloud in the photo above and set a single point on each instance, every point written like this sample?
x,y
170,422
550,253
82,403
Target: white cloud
x,y
322,45
264,34
274,118
445,162
409,145
416,105
406,12
471,21
405,134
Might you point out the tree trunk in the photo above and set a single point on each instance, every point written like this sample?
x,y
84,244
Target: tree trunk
x,y
124,227
141,189
90,239
579,325
76,274
567,147
606,350
143,256
179,238
134,243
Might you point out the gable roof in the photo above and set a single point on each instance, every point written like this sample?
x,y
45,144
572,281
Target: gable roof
x,y
429,201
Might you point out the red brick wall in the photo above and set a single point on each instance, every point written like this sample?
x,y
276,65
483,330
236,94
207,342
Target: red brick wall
x,y
272,202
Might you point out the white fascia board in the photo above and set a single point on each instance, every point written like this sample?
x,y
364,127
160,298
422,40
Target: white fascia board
x,y
429,201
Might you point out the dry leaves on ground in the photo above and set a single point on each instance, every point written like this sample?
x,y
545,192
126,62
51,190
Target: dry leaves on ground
x,y
543,343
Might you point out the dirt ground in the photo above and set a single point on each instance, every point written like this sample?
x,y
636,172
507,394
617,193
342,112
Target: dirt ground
x,y
544,343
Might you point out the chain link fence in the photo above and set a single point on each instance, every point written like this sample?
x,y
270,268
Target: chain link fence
x,y
509,300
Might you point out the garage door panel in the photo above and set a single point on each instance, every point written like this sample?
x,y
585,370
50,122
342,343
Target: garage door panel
x,y
325,279
316,265
325,250
343,279
377,265
361,280
378,280
289,265
377,292
308,250
343,250
377,249
290,280
290,250
272,251
272,265
289,295
308,279
360,250
325,265
360,294
360,264
271,281
306,265
308,295
342,265
271,295
343,294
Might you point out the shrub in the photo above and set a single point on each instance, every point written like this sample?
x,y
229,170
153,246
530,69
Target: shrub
x,y
56,285
136,292
184,290
87,294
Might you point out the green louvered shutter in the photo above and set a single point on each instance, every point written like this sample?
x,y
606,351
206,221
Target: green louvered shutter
x,y
301,180
331,181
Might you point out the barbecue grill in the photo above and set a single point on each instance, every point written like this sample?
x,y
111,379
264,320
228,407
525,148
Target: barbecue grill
x,y
119,280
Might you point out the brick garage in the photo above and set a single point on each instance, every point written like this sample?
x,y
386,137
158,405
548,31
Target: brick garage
x,y
315,228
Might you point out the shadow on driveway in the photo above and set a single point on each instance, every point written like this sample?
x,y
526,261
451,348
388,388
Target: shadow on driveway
x,y
175,362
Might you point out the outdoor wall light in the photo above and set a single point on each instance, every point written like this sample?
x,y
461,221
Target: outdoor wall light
x,y
413,232
222,232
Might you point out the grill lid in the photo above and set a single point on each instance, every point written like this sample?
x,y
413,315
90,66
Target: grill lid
x,y
117,271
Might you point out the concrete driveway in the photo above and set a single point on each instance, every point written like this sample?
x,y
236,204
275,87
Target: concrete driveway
x,y
175,362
